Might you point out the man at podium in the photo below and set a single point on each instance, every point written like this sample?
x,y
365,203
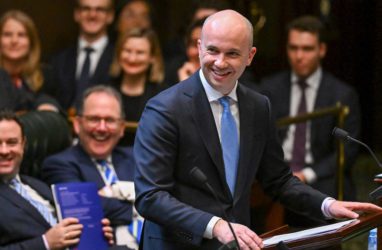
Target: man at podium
x,y
212,122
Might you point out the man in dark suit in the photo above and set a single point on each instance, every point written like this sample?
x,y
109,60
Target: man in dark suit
x,y
87,63
27,212
316,165
189,125
99,126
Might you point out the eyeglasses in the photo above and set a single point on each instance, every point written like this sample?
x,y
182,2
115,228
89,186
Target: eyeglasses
x,y
94,121
99,10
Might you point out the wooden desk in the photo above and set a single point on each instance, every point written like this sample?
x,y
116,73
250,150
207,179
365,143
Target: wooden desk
x,y
365,223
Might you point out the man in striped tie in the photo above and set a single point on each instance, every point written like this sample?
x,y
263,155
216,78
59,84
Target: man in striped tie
x,y
28,218
97,158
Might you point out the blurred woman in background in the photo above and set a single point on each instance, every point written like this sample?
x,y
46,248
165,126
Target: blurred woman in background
x,y
138,71
28,83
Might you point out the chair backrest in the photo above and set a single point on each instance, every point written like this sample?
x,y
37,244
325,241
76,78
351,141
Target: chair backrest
x,y
47,133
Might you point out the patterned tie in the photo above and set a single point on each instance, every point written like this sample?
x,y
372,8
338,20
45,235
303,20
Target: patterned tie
x,y
229,143
298,154
110,176
135,227
44,211
84,79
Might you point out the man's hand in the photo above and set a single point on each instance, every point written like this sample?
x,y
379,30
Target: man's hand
x,y
247,239
108,231
300,175
64,234
344,209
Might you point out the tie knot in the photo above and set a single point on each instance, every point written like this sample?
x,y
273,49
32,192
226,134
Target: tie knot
x,y
88,50
14,182
224,101
103,163
302,84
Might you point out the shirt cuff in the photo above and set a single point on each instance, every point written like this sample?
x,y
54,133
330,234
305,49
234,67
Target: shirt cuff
x,y
310,175
45,242
210,227
325,207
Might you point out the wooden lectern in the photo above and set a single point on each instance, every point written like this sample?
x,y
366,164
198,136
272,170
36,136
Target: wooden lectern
x,y
365,223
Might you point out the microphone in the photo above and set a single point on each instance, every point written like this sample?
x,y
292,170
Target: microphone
x,y
200,177
342,134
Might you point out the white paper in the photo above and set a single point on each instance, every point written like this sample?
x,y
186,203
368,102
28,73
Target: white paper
x,y
306,233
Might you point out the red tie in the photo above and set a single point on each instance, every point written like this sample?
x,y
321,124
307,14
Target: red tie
x,y
298,154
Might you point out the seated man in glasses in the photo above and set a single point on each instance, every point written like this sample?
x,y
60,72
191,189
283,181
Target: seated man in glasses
x,y
28,216
97,158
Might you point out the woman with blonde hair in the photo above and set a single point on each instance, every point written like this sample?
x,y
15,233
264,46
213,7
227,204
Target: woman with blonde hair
x,y
137,67
20,52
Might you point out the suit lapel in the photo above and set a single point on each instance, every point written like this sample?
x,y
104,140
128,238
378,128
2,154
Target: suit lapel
x,y
247,130
43,191
204,120
17,200
322,100
285,107
101,71
122,165
68,74
89,167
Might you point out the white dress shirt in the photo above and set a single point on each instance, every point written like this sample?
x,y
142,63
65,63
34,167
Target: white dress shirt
x,y
313,83
98,47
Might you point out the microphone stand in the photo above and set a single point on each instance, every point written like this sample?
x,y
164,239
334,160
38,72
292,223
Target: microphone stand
x,y
342,134
202,178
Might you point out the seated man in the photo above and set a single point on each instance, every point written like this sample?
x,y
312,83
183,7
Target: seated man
x,y
96,158
309,147
28,218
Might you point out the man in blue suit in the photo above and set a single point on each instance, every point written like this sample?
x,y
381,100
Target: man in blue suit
x,y
27,212
99,126
87,63
189,125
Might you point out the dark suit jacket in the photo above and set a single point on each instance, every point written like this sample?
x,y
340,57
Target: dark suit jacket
x,y
177,132
75,165
21,224
331,91
65,64
25,99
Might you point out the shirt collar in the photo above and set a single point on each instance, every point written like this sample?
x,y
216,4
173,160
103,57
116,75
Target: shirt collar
x,y
98,45
313,81
108,160
6,181
213,94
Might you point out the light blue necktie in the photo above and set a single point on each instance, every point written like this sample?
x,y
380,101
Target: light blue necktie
x,y
44,211
135,227
110,176
230,143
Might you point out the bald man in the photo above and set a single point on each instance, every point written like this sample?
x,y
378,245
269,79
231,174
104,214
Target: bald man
x,y
213,122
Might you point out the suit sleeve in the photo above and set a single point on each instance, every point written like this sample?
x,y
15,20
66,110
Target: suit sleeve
x,y
34,243
155,152
327,166
57,170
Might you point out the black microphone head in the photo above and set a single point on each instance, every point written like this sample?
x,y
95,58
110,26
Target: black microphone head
x,y
198,175
340,133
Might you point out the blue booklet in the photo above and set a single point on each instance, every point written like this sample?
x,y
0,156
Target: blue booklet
x,y
81,200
